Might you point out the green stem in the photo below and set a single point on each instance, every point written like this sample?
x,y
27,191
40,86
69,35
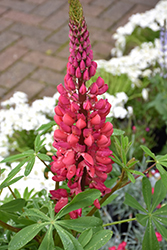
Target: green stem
x,y
134,96
118,222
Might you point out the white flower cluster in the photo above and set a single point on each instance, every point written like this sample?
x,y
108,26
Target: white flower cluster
x,y
118,109
137,64
153,19
18,115
35,180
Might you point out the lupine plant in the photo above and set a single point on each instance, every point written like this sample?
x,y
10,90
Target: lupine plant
x,y
82,166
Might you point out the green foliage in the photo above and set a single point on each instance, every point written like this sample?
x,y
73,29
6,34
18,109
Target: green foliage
x,y
149,218
28,158
139,36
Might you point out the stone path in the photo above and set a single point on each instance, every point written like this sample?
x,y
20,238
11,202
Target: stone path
x,y
34,40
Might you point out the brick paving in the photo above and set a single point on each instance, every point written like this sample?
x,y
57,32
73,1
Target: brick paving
x,y
34,40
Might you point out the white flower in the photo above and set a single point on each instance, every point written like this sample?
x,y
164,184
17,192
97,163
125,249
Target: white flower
x,y
145,94
120,112
130,111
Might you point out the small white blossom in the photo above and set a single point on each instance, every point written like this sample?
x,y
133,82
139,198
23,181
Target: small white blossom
x,y
145,94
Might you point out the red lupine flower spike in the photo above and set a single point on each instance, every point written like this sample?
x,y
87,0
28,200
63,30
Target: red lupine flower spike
x,y
83,137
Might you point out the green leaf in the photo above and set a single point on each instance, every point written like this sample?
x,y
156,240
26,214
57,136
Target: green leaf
x,y
163,174
85,237
161,229
25,235
44,157
13,158
110,182
98,240
150,240
118,132
81,224
142,219
136,172
68,240
123,156
161,157
17,168
5,216
4,247
6,184
148,152
109,200
147,192
81,200
163,220
37,143
14,205
47,243
163,163
34,212
131,177
161,211
159,194
130,201
29,166
46,127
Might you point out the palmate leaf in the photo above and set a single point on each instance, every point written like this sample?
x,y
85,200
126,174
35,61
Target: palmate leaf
x,y
81,224
163,220
161,211
29,166
68,240
46,127
98,240
18,156
9,183
34,212
147,192
130,201
148,152
47,243
85,236
109,200
25,235
161,229
163,174
159,194
38,143
13,206
142,219
150,240
81,200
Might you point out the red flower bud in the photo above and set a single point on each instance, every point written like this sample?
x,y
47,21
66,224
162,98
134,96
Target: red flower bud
x,y
96,120
86,75
89,140
78,73
81,124
82,89
68,120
